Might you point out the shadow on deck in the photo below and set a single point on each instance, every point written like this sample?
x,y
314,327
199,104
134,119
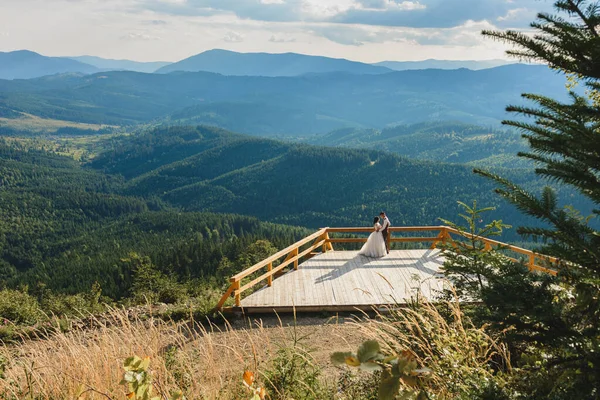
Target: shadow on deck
x,y
347,281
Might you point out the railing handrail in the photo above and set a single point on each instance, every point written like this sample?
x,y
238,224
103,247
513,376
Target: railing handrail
x,y
391,229
277,256
321,239
516,249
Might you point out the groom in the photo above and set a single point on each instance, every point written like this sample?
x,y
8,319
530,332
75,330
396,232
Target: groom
x,y
385,225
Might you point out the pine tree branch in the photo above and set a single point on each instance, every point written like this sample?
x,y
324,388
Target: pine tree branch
x,y
577,10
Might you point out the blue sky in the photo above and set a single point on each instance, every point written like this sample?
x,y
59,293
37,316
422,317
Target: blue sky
x,y
364,30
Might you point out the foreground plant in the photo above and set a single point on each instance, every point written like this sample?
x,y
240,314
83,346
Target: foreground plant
x,y
457,359
258,393
400,375
138,380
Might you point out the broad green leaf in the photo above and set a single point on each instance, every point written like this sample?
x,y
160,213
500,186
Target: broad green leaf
x,y
388,388
390,360
370,366
352,361
399,368
339,358
368,351
128,363
145,363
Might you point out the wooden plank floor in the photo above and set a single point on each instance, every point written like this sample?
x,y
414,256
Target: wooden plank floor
x,y
339,280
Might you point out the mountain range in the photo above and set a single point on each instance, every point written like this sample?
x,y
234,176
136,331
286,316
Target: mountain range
x,y
121,65
281,106
26,64
264,64
442,64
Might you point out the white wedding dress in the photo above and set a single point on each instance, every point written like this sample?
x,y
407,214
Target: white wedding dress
x,y
375,246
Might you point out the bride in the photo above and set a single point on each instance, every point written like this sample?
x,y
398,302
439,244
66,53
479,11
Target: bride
x,y
375,246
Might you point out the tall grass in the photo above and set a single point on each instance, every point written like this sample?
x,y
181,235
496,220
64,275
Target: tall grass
x,y
465,361
208,362
204,364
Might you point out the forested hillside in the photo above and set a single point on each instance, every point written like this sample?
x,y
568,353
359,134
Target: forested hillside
x,y
67,227
207,169
452,142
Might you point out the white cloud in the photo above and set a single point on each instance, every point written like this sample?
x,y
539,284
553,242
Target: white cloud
x,y
513,14
324,9
386,5
233,37
365,30
139,36
281,39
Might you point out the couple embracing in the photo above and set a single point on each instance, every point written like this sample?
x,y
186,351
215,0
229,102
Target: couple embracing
x,y
377,244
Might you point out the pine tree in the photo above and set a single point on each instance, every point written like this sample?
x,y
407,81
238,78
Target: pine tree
x,y
564,139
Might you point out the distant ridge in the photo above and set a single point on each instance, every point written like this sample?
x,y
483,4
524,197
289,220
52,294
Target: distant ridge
x,y
442,64
272,65
25,64
121,65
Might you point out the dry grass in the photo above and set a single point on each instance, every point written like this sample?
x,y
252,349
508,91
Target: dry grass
x,y
34,123
206,364
209,363
462,357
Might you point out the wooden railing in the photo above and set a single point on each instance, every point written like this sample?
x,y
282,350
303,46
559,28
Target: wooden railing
x,y
293,254
321,239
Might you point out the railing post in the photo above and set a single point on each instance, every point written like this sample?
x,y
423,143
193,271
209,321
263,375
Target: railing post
x,y
237,294
531,261
295,253
389,239
488,246
225,297
270,277
442,236
448,238
329,246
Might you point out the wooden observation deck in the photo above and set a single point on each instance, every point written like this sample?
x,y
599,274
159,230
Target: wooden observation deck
x,y
311,276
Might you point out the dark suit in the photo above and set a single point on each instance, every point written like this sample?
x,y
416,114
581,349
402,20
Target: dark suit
x,y
386,224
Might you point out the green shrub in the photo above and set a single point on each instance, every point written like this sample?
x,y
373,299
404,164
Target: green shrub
x,y
293,374
151,285
19,308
